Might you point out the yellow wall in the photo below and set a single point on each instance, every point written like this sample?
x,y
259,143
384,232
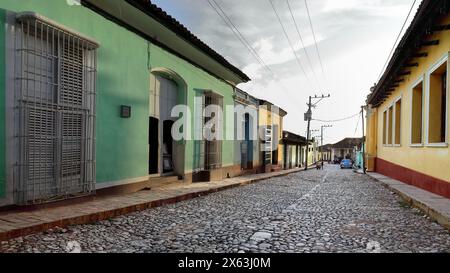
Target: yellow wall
x,y
266,117
433,161
313,155
371,138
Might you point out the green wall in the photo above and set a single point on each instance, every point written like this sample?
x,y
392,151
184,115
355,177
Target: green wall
x,y
124,59
2,104
196,79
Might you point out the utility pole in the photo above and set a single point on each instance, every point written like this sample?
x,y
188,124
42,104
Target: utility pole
x,y
308,118
363,142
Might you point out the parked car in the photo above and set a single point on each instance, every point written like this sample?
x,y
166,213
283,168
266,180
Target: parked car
x,y
346,164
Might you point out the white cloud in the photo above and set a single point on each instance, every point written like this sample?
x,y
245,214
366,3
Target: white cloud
x,y
354,36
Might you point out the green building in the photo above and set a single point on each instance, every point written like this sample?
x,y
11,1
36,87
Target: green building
x,y
86,92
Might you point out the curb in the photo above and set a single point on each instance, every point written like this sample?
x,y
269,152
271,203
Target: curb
x,y
109,214
433,213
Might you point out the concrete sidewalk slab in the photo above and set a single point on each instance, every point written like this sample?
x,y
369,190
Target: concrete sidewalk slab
x,y
435,206
17,224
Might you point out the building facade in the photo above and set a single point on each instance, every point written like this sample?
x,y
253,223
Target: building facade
x,y
346,149
292,146
86,93
313,153
325,152
246,145
271,132
408,110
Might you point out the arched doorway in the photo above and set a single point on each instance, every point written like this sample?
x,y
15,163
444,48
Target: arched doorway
x,y
167,90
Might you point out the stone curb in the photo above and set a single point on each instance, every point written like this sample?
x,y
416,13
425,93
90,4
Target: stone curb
x,y
108,214
435,214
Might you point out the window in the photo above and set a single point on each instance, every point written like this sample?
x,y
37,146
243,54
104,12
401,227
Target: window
x,y
213,148
437,104
55,102
397,123
417,114
390,123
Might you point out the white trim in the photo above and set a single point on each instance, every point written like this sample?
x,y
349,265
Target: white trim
x,y
415,84
385,127
418,145
437,145
430,71
22,16
394,123
389,119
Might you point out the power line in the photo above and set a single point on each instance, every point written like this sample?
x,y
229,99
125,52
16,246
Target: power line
x,y
314,36
239,35
301,39
338,120
289,40
357,125
223,15
396,40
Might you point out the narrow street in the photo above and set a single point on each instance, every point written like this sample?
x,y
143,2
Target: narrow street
x,y
317,211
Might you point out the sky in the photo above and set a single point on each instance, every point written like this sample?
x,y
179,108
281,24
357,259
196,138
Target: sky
x,y
354,39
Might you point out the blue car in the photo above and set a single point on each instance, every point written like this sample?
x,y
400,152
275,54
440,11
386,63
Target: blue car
x,y
346,164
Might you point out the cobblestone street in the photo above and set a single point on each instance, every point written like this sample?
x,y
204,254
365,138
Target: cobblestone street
x,y
315,211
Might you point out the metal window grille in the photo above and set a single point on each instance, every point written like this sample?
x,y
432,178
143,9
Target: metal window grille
x,y
55,101
213,148
199,143
268,145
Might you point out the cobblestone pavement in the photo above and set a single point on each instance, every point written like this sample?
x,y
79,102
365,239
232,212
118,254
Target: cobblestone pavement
x,y
315,211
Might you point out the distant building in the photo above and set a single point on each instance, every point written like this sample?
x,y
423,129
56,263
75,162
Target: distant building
x,y
271,126
247,146
293,150
325,152
344,149
313,153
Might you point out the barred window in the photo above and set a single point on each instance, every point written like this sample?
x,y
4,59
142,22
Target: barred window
x,y
55,101
213,148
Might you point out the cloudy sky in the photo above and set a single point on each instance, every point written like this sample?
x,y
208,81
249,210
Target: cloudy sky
x,y
354,39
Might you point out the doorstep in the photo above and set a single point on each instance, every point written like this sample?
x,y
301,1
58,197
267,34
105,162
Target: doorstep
x,y
435,206
18,224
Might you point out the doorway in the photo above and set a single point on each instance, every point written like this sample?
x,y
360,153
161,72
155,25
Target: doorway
x,y
166,156
167,148
247,146
153,145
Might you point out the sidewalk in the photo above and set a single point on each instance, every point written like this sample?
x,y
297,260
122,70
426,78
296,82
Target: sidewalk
x,y
435,206
16,224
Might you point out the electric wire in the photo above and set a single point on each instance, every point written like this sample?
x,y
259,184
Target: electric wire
x,y
301,40
396,40
289,41
314,37
223,15
338,120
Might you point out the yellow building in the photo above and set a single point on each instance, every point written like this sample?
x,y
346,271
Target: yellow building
x,y
408,110
271,126
325,152
313,153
